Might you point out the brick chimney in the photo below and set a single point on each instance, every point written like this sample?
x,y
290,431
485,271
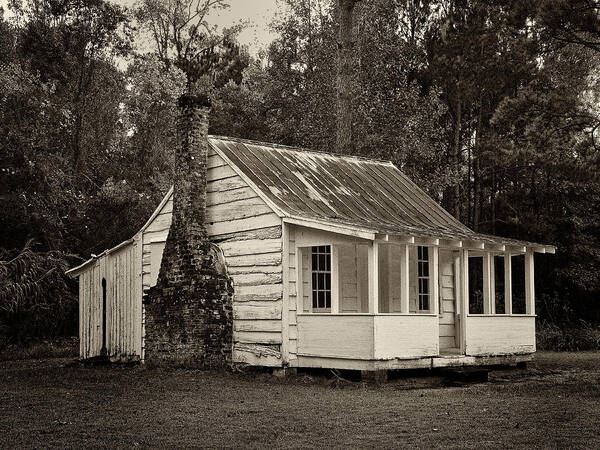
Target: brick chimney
x,y
189,311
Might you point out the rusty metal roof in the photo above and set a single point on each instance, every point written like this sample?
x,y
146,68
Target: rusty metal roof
x,y
344,190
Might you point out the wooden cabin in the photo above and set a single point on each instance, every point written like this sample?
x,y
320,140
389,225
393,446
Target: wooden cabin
x,y
337,262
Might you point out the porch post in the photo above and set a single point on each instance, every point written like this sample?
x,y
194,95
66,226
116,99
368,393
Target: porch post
x,y
433,270
486,283
404,279
464,300
335,280
529,283
299,282
493,284
374,278
507,283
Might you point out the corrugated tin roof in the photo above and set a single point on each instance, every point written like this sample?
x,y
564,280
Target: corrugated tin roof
x,y
344,190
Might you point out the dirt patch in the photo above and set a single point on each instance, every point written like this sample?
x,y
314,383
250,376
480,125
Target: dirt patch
x,y
49,403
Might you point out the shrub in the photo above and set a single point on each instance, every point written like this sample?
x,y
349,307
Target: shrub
x,y
38,349
36,298
568,338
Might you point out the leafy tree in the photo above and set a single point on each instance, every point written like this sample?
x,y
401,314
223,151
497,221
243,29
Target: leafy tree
x,y
392,117
36,299
182,36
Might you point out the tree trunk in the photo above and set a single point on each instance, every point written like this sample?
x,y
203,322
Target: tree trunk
x,y
493,200
456,157
344,143
476,193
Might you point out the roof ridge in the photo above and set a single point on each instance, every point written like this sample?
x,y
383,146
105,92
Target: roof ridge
x,y
299,149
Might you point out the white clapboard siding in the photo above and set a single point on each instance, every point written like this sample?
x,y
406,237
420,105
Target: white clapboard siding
x,y
406,336
500,335
336,336
249,234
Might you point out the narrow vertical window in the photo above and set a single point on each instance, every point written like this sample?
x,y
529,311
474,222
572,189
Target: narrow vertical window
x,y
423,277
321,277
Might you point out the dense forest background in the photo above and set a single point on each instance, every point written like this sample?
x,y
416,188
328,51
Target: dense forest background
x,y
490,106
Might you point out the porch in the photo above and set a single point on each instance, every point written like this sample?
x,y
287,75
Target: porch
x,y
395,302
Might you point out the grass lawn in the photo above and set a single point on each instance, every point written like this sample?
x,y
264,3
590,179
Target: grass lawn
x,y
48,403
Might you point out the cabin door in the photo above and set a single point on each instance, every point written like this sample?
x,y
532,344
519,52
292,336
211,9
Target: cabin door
x,y
103,350
449,339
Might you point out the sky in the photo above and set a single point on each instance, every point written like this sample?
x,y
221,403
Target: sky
x,y
256,13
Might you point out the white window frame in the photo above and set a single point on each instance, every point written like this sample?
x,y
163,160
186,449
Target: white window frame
x,y
428,279
489,281
318,272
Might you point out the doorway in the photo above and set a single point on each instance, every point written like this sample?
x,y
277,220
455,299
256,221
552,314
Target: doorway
x,y
103,351
448,282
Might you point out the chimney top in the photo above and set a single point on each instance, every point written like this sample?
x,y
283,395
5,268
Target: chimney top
x,y
194,100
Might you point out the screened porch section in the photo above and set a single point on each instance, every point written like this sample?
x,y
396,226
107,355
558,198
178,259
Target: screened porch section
x,y
362,278
367,300
411,297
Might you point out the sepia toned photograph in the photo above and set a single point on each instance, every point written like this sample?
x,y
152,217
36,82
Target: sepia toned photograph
x,y
299,224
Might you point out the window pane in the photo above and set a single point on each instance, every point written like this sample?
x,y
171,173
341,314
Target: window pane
x,y
321,276
425,306
475,284
518,284
425,287
499,284
425,269
425,253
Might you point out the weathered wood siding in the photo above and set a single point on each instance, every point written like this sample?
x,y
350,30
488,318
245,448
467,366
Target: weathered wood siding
x,y
447,300
250,235
292,294
120,269
90,311
500,335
